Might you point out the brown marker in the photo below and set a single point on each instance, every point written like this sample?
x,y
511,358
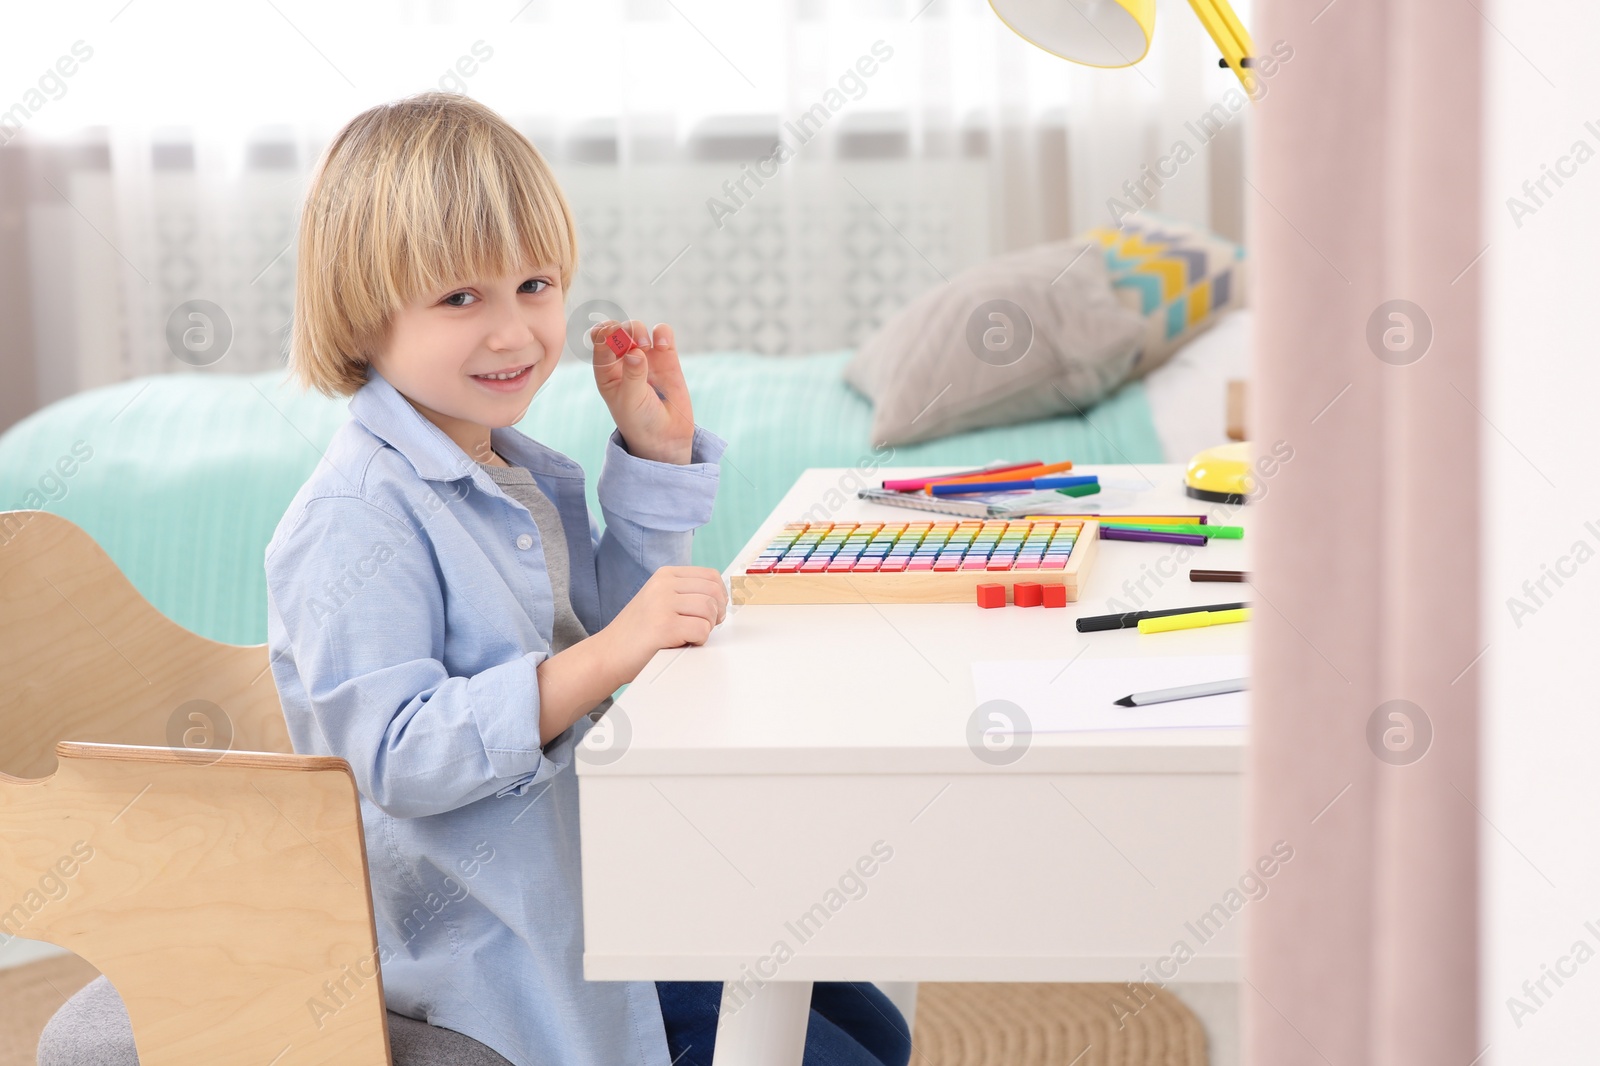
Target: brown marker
x,y
1218,575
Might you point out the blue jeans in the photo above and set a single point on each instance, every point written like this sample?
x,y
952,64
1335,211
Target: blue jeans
x,y
852,1024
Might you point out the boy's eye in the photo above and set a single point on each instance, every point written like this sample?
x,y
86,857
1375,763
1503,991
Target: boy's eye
x,y
459,299
534,281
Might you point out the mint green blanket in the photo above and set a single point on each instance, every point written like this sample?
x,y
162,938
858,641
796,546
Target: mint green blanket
x,y
186,475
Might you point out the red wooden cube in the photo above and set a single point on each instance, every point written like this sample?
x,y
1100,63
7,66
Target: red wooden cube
x,y
1027,594
621,341
1055,595
991,595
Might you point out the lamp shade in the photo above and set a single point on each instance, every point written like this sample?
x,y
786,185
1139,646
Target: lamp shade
x,y
1096,33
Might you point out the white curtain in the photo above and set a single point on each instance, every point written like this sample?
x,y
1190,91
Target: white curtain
x,y
929,137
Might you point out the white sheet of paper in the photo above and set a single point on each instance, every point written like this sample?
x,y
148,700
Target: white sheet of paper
x,y
1061,698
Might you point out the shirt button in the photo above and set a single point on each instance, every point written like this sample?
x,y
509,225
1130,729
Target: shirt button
x,y
525,541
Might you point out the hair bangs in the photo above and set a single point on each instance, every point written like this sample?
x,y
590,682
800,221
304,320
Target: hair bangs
x,y
486,209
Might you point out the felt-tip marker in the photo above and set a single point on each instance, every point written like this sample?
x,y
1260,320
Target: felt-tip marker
x,y
1194,620
1100,622
959,487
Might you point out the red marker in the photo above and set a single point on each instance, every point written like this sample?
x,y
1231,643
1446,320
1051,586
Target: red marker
x,y
620,341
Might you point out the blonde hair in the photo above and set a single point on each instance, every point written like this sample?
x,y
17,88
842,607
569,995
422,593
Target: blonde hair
x,y
414,196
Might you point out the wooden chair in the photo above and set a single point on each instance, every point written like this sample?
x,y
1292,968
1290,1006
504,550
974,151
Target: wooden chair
x,y
154,820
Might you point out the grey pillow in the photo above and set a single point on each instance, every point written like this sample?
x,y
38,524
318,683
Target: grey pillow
x,y
1027,335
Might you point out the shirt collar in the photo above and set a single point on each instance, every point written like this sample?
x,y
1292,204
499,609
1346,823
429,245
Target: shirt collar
x,y
389,416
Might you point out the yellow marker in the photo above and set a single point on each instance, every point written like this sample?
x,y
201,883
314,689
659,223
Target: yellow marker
x,y
1193,620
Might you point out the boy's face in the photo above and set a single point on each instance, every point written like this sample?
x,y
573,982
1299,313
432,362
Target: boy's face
x,y
442,346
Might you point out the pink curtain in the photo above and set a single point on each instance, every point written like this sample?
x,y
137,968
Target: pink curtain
x,y
1366,182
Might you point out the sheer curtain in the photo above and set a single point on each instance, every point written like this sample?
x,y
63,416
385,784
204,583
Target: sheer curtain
x,y
769,177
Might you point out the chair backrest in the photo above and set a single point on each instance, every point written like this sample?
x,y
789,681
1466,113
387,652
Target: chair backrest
x,y
86,657
224,896
217,879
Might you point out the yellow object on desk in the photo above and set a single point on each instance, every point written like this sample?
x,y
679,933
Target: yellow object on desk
x,y
1193,620
1221,474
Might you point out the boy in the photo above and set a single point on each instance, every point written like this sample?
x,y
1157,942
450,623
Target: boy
x,y
444,613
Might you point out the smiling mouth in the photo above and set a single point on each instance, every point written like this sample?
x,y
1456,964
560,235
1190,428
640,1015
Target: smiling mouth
x,y
505,376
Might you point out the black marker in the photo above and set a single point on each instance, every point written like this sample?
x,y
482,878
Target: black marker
x,y
1100,622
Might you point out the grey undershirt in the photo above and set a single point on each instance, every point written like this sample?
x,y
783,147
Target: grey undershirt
x,y
567,630
518,483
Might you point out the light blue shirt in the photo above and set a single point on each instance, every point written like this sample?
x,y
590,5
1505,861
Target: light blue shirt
x,y
408,606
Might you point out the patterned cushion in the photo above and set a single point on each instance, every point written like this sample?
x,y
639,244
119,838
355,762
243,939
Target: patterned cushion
x,y
1178,276
92,1029
1032,334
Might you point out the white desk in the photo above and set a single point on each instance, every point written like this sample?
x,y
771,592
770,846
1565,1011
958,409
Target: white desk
x,y
743,779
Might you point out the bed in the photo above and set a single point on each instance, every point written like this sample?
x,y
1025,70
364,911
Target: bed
x,y
182,478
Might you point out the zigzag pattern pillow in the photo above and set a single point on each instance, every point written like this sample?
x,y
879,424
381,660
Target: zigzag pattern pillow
x,y
1177,275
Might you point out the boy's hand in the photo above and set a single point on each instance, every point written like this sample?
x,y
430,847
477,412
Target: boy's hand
x,y
678,605
645,390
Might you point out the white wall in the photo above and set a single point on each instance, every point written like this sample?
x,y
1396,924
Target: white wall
x,y
1541,830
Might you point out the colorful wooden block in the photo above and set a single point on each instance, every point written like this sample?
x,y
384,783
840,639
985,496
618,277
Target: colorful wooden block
x,y
1027,594
1055,595
620,341
991,594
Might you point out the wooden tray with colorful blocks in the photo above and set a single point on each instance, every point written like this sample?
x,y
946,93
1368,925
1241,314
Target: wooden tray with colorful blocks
x,y
914,562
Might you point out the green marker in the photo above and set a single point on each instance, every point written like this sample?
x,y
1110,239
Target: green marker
x,y
1220,532
1080,490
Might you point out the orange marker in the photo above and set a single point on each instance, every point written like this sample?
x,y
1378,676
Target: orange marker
x,y
1009,475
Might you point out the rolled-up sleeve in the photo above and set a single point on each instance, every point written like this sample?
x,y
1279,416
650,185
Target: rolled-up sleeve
x,y
651,511
356,628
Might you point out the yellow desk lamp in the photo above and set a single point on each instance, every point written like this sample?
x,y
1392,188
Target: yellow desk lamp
x,y
1116,33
